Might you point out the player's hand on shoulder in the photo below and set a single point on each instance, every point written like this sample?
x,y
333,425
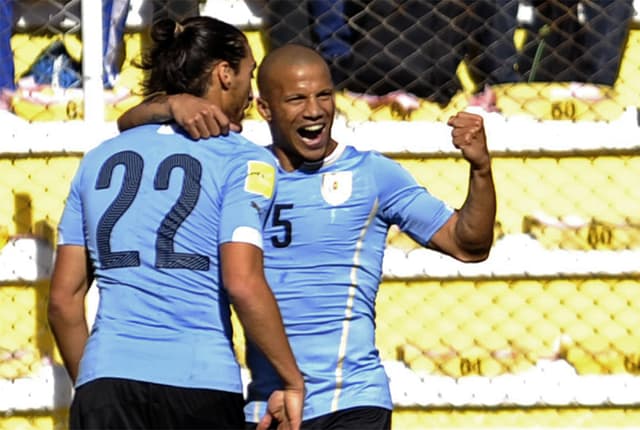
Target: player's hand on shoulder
x,y
200,118
468,135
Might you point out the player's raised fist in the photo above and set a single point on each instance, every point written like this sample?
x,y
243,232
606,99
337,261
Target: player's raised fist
x,y
469,136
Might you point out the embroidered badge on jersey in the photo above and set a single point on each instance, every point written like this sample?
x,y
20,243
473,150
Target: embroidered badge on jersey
x,y
336,187
260,178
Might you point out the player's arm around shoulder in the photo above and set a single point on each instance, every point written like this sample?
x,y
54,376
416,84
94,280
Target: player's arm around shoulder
x,y
468,234
200,118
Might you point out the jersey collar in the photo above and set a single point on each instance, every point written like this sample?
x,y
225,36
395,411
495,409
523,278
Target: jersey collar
x,y
326,161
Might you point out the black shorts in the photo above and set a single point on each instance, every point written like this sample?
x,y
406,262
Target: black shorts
x,y
113,403
361,418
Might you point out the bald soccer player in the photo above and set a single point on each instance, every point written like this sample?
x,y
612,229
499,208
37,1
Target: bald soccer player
x,y
325,240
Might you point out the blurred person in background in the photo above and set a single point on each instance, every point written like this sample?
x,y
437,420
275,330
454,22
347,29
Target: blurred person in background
x,y
380,51
172,232
315,23
410,50
404,51
7,73
577,41
490,51
399,52
114,18
325,239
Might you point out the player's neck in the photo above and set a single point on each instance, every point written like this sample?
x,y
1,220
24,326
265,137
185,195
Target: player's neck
x,y
291,161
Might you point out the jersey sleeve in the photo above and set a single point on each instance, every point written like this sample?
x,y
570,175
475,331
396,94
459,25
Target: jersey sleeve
x,y
248,197
406,203
71,225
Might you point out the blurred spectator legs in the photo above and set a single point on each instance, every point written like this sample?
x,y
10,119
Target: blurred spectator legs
x,y
491,51
551,44
320,24
7,72
415,49
331,33
114,17
396,53
491,54
603,37
577,41
410,47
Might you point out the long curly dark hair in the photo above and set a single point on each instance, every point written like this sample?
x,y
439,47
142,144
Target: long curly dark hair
x,y
183,54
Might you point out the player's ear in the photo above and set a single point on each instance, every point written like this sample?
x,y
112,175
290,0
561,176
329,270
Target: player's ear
x,y
224,73
263,109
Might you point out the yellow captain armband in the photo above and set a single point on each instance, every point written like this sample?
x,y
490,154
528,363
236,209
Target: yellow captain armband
x,y
260,178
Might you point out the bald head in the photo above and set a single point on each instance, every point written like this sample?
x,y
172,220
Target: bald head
x,y
283,58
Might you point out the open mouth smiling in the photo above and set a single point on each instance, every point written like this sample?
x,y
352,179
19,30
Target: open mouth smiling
x,y
311,132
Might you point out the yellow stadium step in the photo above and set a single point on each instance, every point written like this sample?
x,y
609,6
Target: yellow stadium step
x,y
599,355
576,233
475,360
50,104
570,101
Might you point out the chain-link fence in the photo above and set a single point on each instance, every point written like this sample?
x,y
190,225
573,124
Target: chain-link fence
x,y
549,59
548,323
391,59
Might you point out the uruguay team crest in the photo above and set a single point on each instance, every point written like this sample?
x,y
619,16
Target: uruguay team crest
x,y
336,187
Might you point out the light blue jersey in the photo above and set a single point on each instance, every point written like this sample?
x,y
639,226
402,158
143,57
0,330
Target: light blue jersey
x,y
152,207
324,247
